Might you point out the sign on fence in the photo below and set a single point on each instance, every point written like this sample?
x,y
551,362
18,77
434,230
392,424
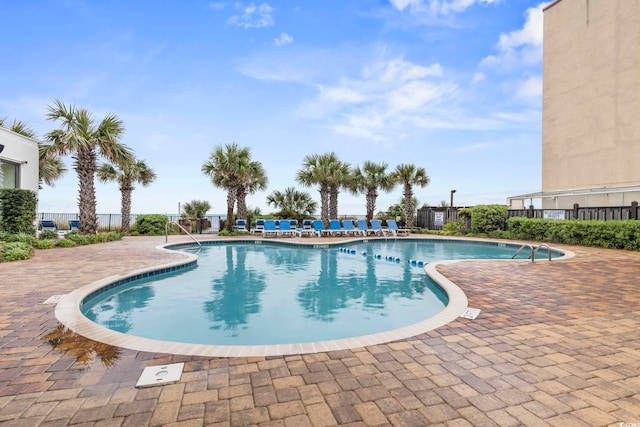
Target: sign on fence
x,y
438,218
553,214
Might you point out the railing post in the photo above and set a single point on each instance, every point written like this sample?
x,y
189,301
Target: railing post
x,y
634,210
576,207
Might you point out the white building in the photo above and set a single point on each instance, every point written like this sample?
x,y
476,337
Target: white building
x,y
19,161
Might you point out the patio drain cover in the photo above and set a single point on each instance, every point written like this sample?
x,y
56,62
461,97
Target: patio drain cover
x,y
160,375
53,299
470,313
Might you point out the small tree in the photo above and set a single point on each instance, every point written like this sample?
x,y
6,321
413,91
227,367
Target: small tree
x,y
196,209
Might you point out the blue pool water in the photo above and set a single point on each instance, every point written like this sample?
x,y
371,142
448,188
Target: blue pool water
x,y
258,293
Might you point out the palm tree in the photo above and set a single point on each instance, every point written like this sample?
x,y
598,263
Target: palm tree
x,y
51,167
292,203
196,209
408,176
368,179
127,175
321,170
227,167
254,179
340,177
85,141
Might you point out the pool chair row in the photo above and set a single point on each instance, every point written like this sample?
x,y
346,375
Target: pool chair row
x,y
47,224
279,228
347,228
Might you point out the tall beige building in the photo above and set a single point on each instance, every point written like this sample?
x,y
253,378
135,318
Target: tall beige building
x,y
590,104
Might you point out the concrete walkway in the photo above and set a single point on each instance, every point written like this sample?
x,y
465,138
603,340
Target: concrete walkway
x,y
555,344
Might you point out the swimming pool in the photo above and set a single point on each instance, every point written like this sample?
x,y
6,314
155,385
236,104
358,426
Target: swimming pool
x,y
256,293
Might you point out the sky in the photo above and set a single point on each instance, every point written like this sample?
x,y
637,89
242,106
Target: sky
x,y
452,86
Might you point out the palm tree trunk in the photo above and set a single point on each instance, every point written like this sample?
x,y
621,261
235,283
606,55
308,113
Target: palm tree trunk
x,y
85,166
372,195
408,205
125,210
231,199
324,205
241,200
333,202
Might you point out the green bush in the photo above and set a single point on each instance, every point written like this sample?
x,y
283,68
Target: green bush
x,y
77,238
66,243
44,244
151,224
605,234
14,251
455,227
20,237
48,235
18,211
486,219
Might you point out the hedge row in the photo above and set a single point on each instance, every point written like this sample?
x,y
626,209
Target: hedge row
x,y
605,234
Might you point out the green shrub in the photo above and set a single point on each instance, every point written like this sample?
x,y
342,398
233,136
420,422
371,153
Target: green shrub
x,y
77,238
20,237
17,211
486,219
44,244
151,224
455,227
14,251
48,235
65,243
605,234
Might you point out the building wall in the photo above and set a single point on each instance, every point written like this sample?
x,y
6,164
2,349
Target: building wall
x,y
22,152
591,97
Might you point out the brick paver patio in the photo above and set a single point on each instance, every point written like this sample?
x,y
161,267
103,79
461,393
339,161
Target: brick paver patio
x,y
556,344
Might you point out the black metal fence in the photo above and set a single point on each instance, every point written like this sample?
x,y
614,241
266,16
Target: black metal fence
x,y
434,218
113,222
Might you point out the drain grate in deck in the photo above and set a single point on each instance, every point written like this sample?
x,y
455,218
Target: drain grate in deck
x,y
470,313
160,375
53,299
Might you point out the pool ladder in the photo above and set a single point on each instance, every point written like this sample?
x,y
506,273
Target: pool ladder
x,y
533,250
166,233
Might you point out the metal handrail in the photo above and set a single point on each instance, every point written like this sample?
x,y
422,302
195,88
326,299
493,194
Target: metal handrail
x,y
524,245
537,248
166,233
533,250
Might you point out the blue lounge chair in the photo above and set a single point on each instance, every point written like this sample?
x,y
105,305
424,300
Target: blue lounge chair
x,y
335,229
350,229
393,227
259,226
241,225
294,223
362,226
285,229
376,227
307,228
48,225
269,228
74,225
318,226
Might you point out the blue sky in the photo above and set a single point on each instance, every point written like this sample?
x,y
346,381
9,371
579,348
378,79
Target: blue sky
x,y
453,86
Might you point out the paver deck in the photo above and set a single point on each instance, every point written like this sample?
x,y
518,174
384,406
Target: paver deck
x,y
556,344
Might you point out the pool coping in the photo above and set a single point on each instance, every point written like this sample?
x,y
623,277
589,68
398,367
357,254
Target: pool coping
x,y
68,312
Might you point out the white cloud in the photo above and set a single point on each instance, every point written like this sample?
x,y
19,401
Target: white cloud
x,y
438,7
522,47
477,78
530,89
479,146
283,39
252,16
217,5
